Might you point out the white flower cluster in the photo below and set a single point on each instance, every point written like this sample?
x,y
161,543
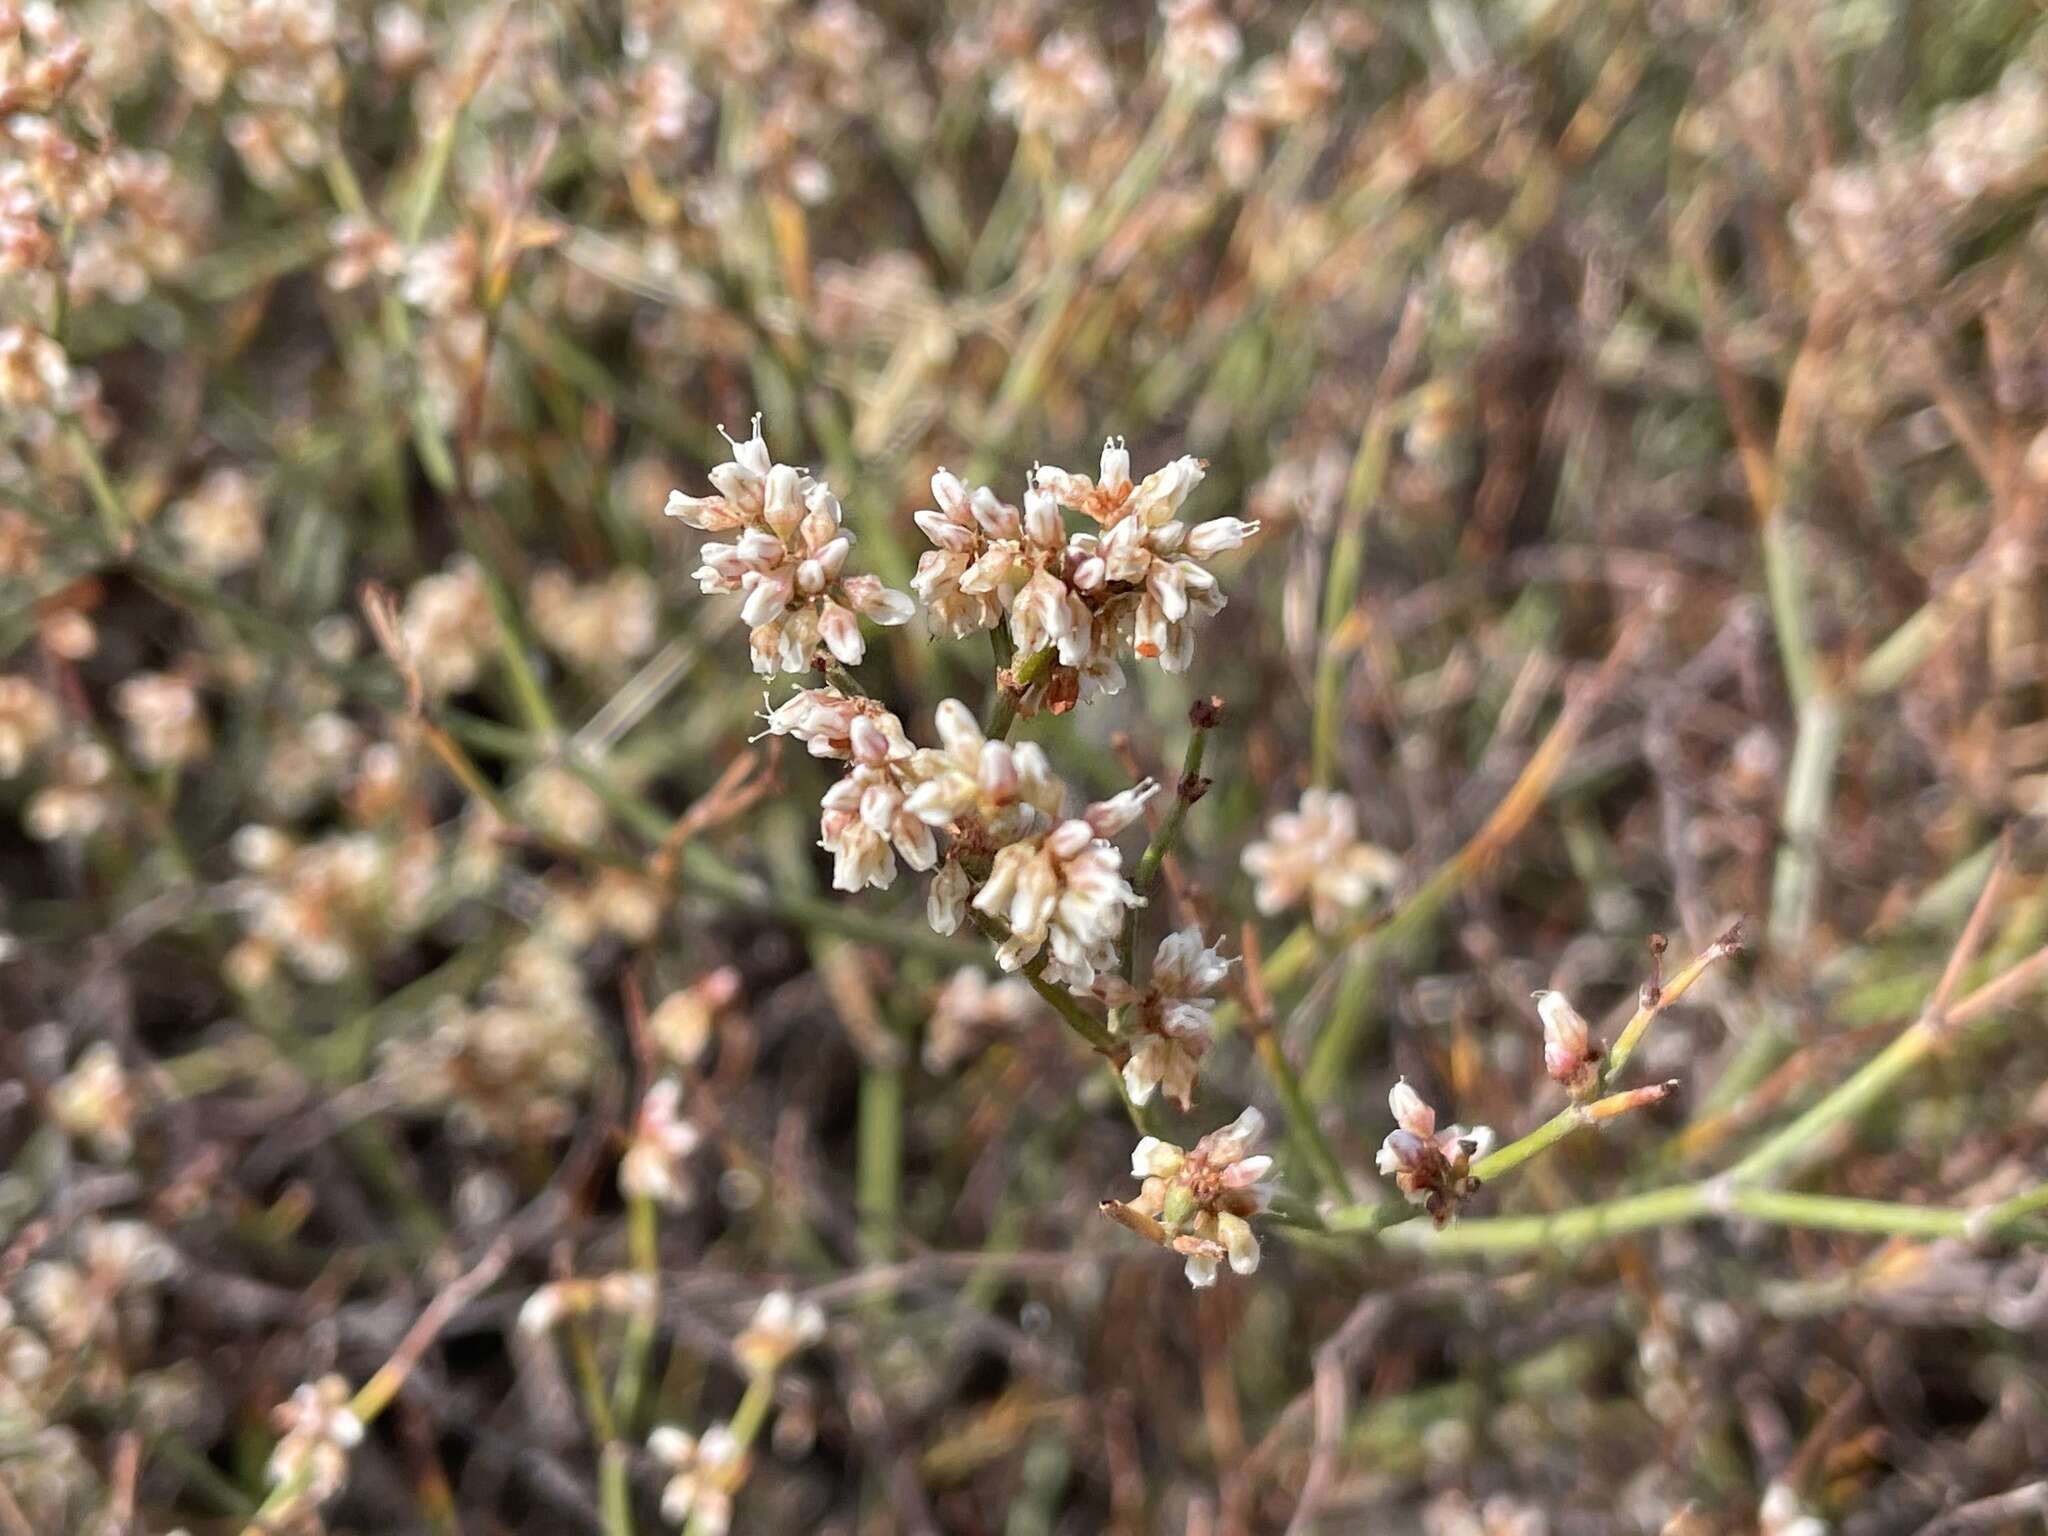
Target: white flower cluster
x,y
788,562
704,1473
1137,581
1204,1199
1170,1020
1055,882
320,1429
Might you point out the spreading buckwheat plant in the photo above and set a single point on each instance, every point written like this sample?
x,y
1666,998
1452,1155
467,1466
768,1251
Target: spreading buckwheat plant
x,y
836,766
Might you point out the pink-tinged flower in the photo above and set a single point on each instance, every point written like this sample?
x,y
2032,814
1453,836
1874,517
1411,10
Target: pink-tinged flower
x,y
1006,792
1200,44
448,628
1569,1054
1169,1021
219,527
166,722
1145,574
946,898
1064,892
1287,88
1111,497
28,718
822,719
654,1165
788,563
1431,1167
34,371
1204,1199
363,248
962,528
866,824
1314,854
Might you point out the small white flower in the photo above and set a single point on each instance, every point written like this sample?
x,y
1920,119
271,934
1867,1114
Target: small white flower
x,y
1205,1198
653,1166
1064,892
320,1430
1314,854
704,1475
822,719
866,823
1171,1020
781,1327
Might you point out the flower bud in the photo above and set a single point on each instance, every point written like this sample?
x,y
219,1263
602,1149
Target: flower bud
x,y
1569,1055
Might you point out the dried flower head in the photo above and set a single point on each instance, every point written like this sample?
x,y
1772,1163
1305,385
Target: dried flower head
x,y
28,718
511,1068
970,1008
1431,1167
680,1026
448,628
166,726
1059,91
597,627
654,1165
219,527
94,1103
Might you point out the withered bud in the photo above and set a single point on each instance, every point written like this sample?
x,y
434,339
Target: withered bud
x,y
1206,714
1653,989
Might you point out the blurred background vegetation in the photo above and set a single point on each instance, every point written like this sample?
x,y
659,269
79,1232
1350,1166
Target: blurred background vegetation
x,y
1643,401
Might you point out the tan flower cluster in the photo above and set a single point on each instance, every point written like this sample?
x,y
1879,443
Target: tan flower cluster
x,y
1136,581
1054,883
328,904
788,563
511,1068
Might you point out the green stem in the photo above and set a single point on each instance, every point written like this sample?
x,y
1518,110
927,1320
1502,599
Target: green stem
x,y
878,1178
1696,1202
1311,1145
747,1422
614,1495
1873,1083
1002,712
115,520
1152,863
642,1239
